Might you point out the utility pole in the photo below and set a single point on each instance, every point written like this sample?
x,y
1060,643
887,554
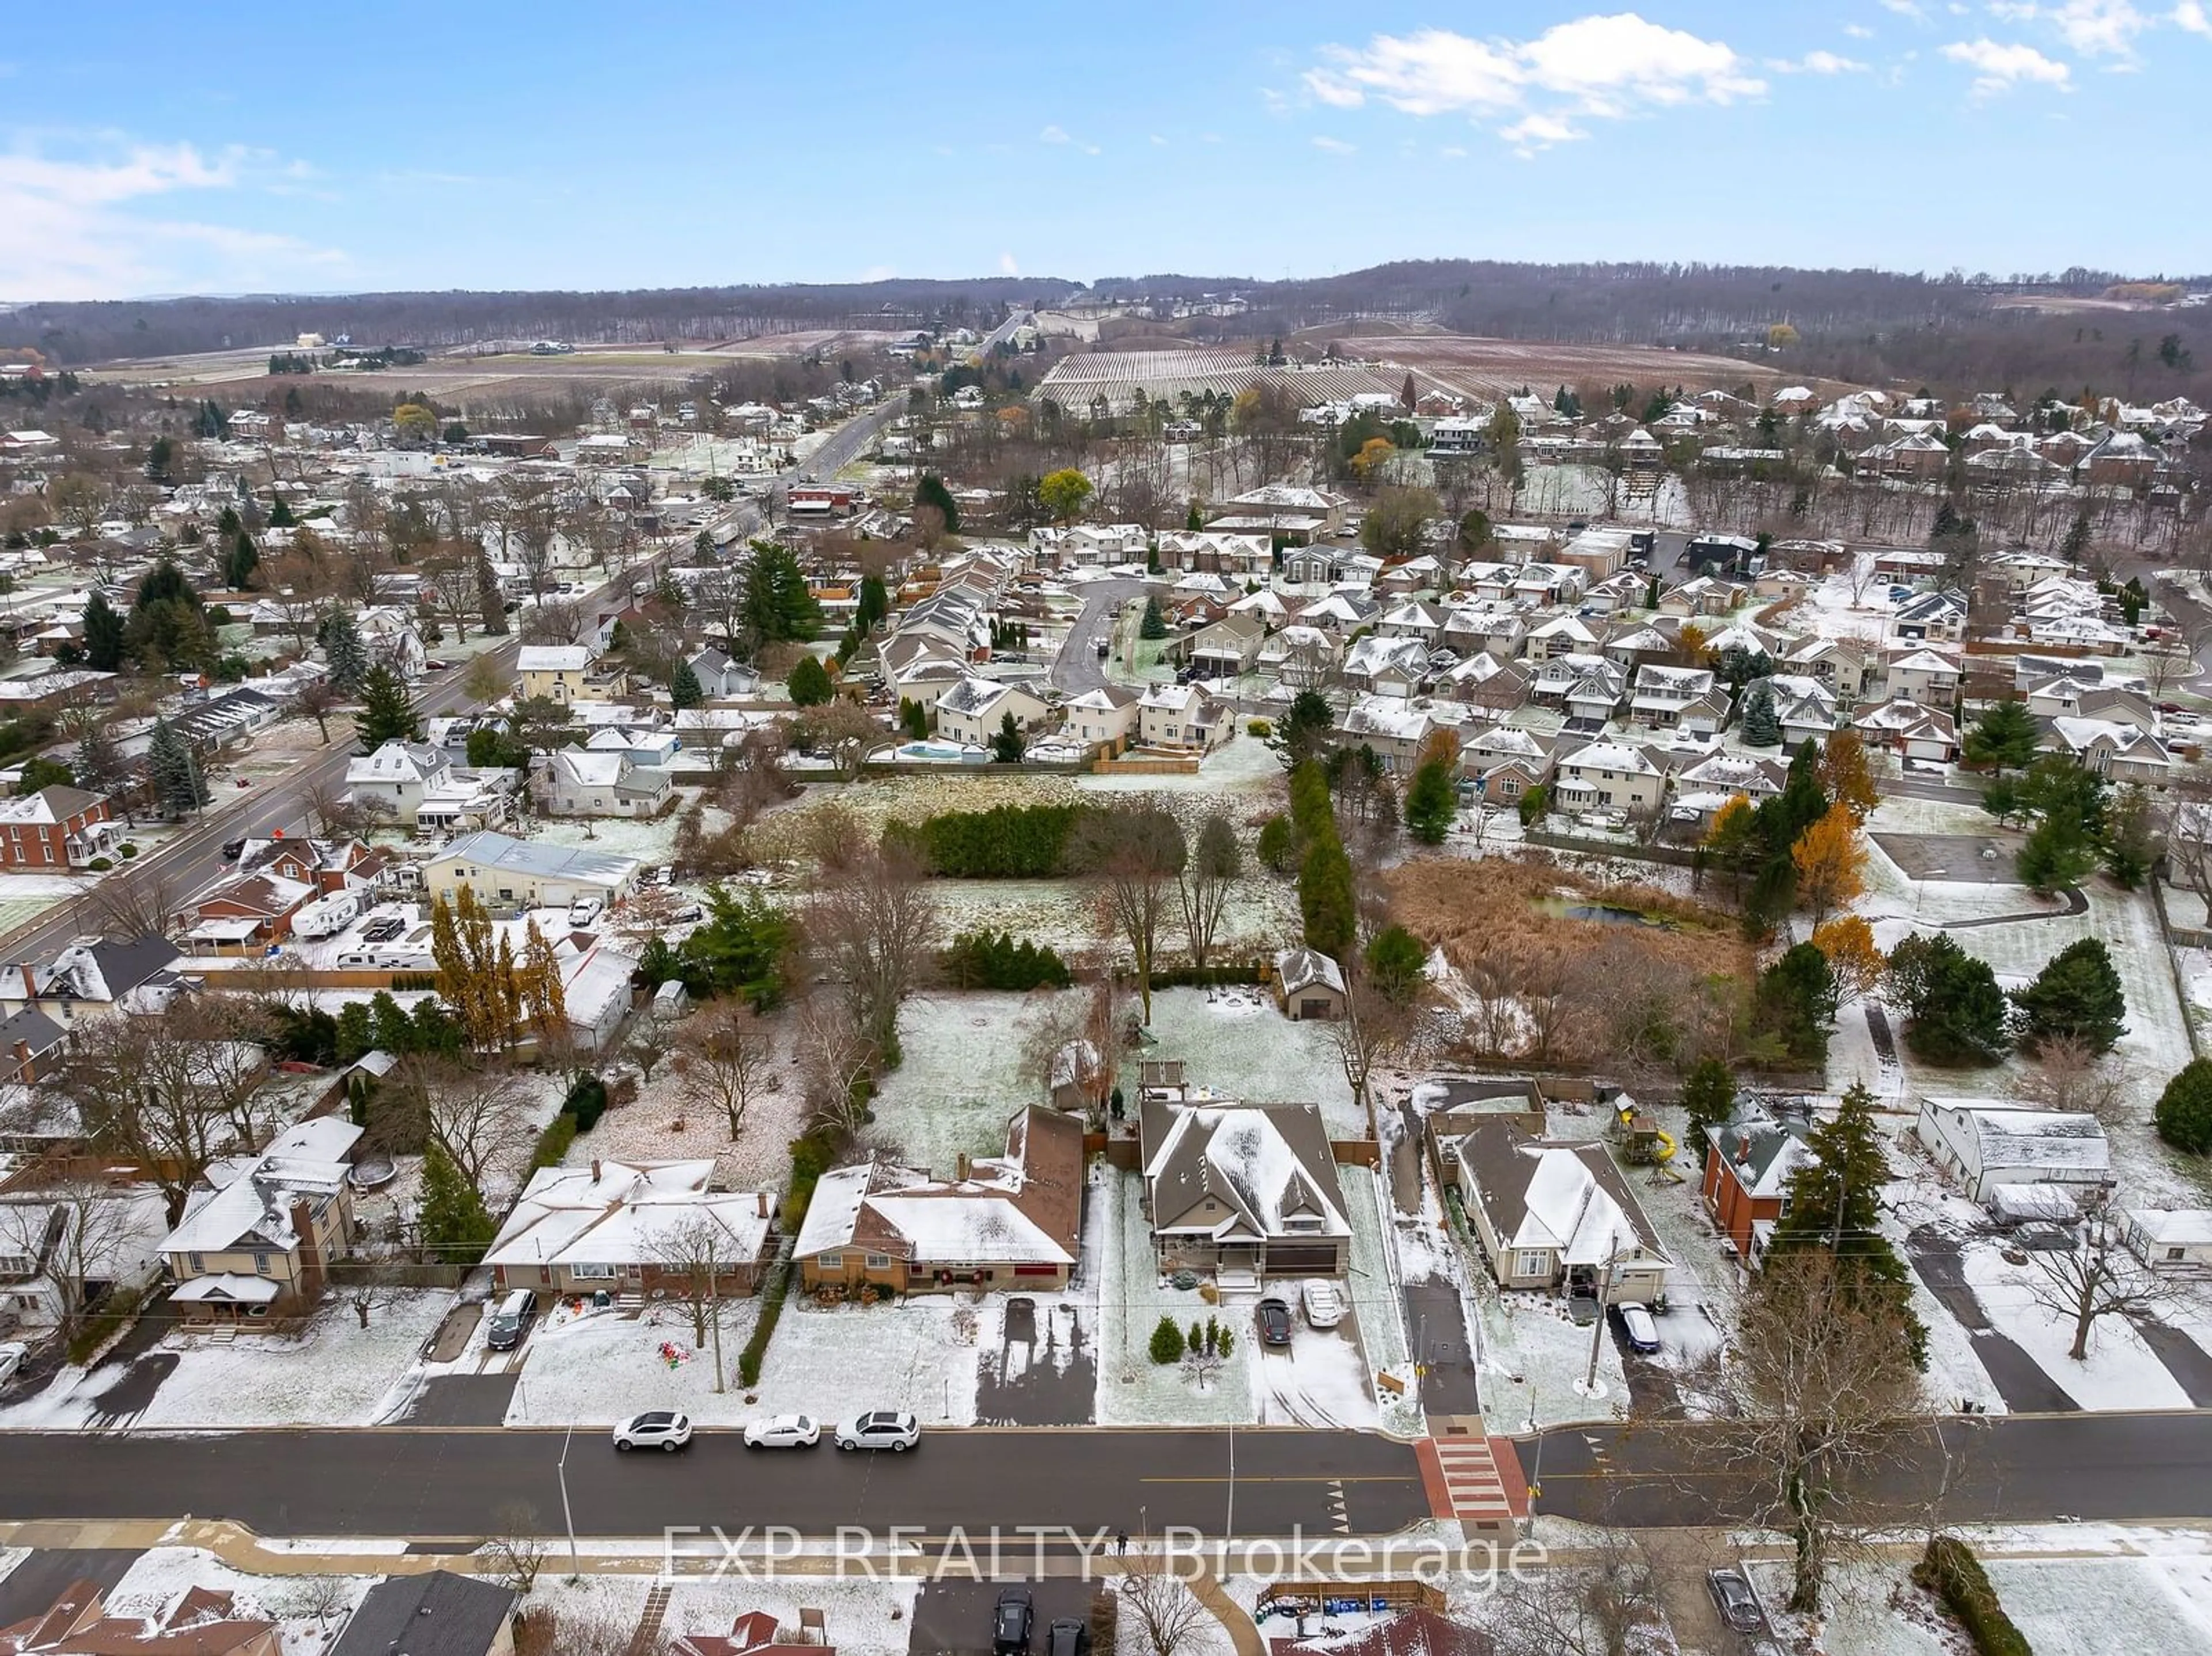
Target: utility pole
x,y
575,1568
1597,1328
715,1294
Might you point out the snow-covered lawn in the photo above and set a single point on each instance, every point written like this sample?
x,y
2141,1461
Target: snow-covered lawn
x,y
24,897
2121,1371
334,1374
651,840
1132,1298
961,1077
593,1368
860,1616
1234,1041
647,1127
1533,1361
1371,1285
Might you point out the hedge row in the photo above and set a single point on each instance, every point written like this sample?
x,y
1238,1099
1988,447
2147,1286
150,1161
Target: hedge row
x,y
1949,1570
1007,842
553,1143
988,960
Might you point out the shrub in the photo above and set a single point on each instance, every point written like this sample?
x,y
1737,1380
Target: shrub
x,y
112,1315
1949,1570
127,850
587,1100
1167,1345
553,1143
1007,842
1258,727
2184,1116
1275,845
100,864
1227,1344
984,960
774,1292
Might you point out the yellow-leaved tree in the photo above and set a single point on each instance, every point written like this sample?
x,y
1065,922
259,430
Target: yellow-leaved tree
x,y
1857,964
1845,775
1831,863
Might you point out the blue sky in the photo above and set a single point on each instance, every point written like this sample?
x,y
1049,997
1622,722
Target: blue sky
x,y
163,148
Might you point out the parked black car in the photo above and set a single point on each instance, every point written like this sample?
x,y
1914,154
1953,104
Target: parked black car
x,y
1737,1604
231,849
1011,1620
1274,1322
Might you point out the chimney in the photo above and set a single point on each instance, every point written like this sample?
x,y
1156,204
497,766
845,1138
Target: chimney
x,y
960,1166
1742,1148
595,1169
760,1204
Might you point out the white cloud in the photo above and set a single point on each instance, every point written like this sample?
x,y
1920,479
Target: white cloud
x,y
1336,146
1452,152
1817,63
1058,136
77,227
2190,14
1905,8
1160,141
2001,67
1598,67
1007,265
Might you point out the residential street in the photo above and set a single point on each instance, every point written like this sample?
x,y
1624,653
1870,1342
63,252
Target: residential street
x,y
1079,668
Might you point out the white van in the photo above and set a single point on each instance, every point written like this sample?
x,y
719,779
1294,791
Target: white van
x,y
325,917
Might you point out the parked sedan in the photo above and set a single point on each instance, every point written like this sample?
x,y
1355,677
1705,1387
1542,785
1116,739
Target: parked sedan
x,y
657,1428
1324,1302
885,1428
783,1432
1274,1322
1737,1604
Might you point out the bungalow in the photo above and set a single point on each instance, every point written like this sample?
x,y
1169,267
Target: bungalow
x,y
247,915
32,1046
328,865
1396,731
1551,1215
1560,636
999,1221
579,782
515,874
1745,1186
1985,1143
633,1228
1309,985
2112,749
259,1236
201,1622
1242,1190
972,712
436,1613
1932,618
1105,715
1424,621
722,679
1482,681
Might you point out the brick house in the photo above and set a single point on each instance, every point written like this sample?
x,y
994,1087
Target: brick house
x,y
54,828
1746,1187
615,1226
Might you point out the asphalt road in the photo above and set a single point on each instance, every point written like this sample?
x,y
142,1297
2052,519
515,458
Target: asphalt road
x,y
445,1483
845,443
1079,669
2008,1468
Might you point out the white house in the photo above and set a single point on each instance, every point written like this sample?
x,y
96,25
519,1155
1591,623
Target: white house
x,y
583,782
1609,775
2177,1240
1184,717
1985,1143
392,780
971,710
1107,714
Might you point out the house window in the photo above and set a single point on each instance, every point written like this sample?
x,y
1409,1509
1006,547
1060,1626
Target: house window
x,y
879,1262
831,1262
1531,1262
199,1266
261,1264
593,1273
2177,1253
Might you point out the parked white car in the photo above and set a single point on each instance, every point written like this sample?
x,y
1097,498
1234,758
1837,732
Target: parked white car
x,y
885,1428
1324,1302
783,1432
657,1428
585,912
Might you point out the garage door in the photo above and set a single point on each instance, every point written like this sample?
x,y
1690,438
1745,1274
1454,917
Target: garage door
x,y
1300,1261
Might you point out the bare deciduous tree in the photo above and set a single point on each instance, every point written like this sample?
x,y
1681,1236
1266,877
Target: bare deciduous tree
x,y
1374,1030
472,1108
517,1553
1819,1392
872,924
1167,1613
2070,1074
651,1040
1608,1609
2099,1278
833,1061
1132,856
726,1062
693,1261
75,1232
1206,882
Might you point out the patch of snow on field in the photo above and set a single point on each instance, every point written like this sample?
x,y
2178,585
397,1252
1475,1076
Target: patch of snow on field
x,y
962,1075
2075,1607
1534,1358
593,1369
1234,1041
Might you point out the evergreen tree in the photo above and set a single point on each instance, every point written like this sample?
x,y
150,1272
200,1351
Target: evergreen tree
x,y
1708,1096
915,717
1954,1011
685,689
1835,1206
1304,729
1008,745
280,515
40,773
2003,737
1394,961
99,763
1796,1003
1432,801
387,714
178,781
168,628
875,604
809,684
2184,1116
1154,625
344,653
2076,996
1762,725
455,1225
932,492
240,563
103,634
777,606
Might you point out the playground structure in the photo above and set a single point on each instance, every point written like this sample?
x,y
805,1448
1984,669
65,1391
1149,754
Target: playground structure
x,y
1644,1143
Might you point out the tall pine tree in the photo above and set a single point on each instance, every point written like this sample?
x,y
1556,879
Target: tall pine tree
x,y
342,649
387,714
178,781
103,634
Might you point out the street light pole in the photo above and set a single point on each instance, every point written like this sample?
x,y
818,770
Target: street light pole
x,y
567,1517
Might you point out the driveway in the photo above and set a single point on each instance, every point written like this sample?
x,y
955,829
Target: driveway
x,y
1437,1322
955,1616
31,1586
1042,1371
2019,1378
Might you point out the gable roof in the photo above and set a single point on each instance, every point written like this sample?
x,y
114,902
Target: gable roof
x,y
1563,1198
622,1212
1265,1164
437,1614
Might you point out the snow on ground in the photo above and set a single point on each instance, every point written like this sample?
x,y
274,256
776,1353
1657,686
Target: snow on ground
x,y
1234,1041
647,1127
918,1353
1132,1298
860,1616
1371,1285
650,839
1244,764
310,1610
962,1075
24,897
1320,1380
1064,913
2121,1371
334,1374
1533,1361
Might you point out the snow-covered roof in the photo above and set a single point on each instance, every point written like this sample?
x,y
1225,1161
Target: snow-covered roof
x,y
626,1213
1243,1156
553,657
1300,968
253,1208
